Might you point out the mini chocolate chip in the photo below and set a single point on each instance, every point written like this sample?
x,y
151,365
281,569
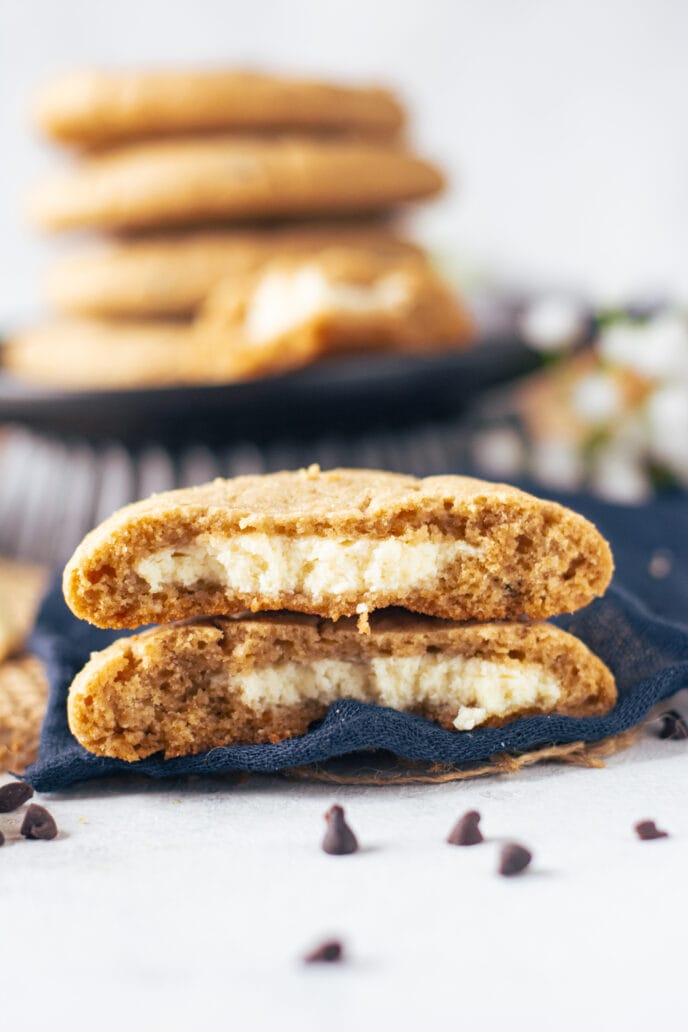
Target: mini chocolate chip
x,y
513,859
12,796
38,823
2,839
466,831
339,838
672,725
647,830
328,952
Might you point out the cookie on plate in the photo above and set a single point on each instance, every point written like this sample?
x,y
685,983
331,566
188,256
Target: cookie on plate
x,y
187,687
99,354
171,274
336,544
186,182
298,307
92,108
23,698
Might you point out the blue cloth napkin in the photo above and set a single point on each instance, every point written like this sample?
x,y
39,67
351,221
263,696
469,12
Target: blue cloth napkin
x,y
647,653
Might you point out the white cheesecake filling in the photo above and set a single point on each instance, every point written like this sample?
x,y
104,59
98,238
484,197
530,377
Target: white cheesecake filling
x,y
283,301
479,689
271,564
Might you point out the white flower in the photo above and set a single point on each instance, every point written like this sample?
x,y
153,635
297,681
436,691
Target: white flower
x,y
558,464
667,422
656,349
553,323
597,398
499,452
618,475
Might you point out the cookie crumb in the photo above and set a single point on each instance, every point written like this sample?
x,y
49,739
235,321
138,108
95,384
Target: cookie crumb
x,y
14,795
648,830
313,471
329,952
363,622
661,563
339,838
38,823
513,859
466,831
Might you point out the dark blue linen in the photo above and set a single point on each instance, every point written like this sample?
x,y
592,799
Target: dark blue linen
x,y
647,654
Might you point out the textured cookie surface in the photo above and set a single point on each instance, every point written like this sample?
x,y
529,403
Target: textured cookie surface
x,y
21,586
78,354
298,307
23,698
172,274
182,182
184,688
336,544
90,108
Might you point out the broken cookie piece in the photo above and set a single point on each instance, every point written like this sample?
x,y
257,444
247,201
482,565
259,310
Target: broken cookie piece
x,y
188,687
325,543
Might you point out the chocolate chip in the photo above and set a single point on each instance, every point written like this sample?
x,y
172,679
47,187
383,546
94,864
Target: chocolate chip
x,y
328,952
672,725
2,839
513,859
339,838
12,796
466,831
38,823
647,830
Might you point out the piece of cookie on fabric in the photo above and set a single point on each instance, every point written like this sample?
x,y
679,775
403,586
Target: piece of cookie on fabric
x,y
96,107
185,182
297,308
23,699
171,274
336,544
185,688
101,354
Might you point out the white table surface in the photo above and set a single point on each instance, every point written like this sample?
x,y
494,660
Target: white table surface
x,y
188,906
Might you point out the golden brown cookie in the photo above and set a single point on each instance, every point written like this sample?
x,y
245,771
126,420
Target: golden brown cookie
x,y
183,182
21,587
297,308
188,687
172,274
103,355
92,108
337,544
23,698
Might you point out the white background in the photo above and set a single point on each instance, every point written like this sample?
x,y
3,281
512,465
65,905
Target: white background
x,y
563,123
188,907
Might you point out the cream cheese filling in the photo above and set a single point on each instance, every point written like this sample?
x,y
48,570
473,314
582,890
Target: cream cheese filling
x,y
479,689
283,301
272,564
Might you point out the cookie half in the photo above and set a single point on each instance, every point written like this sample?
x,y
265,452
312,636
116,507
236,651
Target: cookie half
x,y
186,182
92,108
185,688
297,308
337,544
172,274
101,354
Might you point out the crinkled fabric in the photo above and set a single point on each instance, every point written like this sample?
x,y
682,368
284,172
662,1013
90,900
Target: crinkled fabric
x,y
648,656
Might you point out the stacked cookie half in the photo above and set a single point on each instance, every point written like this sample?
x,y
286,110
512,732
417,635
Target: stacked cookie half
x,y
426,596
250,216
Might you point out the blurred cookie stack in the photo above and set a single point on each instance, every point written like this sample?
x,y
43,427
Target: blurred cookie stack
x,y
248,223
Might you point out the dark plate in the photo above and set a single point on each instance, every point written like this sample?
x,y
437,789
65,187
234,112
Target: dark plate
x,y
343,396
